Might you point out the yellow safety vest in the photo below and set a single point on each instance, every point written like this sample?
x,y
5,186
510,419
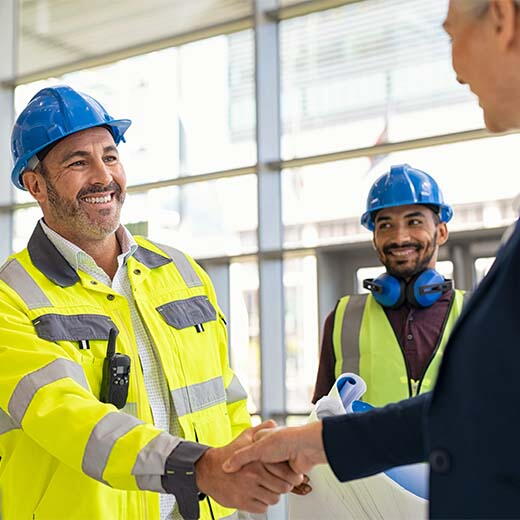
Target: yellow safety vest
x,y
365,343
64,454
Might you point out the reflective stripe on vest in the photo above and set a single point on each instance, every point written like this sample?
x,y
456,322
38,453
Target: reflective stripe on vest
x,y
105,434
27,387
198,396
16,277
151,461
350,334
186,270
235,391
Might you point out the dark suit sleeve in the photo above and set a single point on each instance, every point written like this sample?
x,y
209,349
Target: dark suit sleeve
x,y
325,378
361,444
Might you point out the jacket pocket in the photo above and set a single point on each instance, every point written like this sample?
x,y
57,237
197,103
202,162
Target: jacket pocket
x,y
73,327
188,313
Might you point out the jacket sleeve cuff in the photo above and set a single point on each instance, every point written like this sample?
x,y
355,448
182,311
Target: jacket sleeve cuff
x,y
179,478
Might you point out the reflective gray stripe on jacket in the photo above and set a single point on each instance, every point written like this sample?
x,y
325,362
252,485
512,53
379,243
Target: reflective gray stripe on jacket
x,y
350,330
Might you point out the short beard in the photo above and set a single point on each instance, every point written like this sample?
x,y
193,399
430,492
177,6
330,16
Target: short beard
x,y
70,212
422,265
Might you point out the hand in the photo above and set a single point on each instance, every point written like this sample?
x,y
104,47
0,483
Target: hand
x,y
301,447
254,487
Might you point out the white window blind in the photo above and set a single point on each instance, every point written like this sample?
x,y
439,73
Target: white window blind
x,y
54,33
377,70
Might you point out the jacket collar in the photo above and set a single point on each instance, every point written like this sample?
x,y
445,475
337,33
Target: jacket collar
x,y
53,265
149,258
49,260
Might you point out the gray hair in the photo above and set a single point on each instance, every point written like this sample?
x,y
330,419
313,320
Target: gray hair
x,y
477,7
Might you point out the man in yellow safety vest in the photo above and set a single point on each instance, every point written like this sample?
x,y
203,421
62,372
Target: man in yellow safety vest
x,y
116,397
395,336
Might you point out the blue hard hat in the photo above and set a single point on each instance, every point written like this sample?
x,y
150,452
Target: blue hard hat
x,y
401,186
54,113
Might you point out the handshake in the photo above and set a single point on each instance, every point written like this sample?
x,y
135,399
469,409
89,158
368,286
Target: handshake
x,y
262,463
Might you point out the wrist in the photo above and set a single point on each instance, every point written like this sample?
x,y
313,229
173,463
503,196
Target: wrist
x,y
203,469
315,442
179,477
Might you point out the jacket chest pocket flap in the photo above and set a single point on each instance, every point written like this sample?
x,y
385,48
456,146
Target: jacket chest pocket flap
x,y
188,313
75,327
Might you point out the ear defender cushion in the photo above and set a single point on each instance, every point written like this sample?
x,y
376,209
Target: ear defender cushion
x,y
392,292
420,298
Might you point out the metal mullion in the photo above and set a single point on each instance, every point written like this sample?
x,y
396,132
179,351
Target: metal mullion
x,y
305,8
8,25
398,146
270,228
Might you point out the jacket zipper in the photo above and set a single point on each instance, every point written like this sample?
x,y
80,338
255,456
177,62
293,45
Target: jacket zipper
x,y
439,341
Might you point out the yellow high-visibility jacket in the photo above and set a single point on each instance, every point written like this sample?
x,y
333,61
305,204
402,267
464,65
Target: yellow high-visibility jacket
x,y
365,343
64,454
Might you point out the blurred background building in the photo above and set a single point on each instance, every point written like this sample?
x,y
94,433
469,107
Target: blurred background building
x,y
257,131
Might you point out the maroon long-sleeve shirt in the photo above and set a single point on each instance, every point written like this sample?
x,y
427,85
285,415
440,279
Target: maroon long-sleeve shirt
x,y
417,331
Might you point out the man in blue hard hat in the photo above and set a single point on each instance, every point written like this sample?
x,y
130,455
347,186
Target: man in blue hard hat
x,y
115,386
468,427
395,337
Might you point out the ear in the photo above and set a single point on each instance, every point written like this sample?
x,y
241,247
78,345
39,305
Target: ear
x,y
35,185
503,17
442,233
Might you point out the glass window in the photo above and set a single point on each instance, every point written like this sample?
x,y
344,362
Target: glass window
x,y
216,104
192,107
301,330
143,89
350,79
24,221
244,328
205,219
322,204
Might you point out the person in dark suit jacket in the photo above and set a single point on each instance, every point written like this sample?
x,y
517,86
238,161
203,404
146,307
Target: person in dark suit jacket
x,y
469,427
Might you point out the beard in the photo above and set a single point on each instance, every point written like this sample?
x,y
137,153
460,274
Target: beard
x,y
406,269
71,212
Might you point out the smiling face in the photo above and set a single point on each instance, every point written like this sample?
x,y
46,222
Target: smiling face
x,y
407,239
81,187
486,56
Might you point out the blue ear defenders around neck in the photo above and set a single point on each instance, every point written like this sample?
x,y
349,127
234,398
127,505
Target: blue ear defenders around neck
x,y
423,290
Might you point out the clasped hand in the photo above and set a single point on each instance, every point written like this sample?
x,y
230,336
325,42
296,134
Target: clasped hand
x,y
252,487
